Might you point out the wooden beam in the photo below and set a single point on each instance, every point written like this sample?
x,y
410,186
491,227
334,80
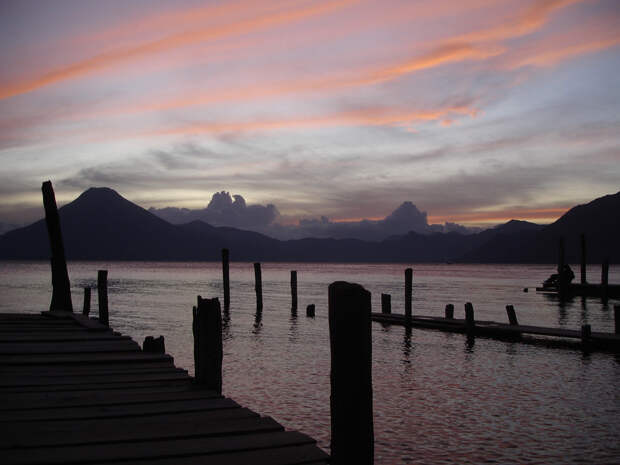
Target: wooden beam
x,y
352,433
61,288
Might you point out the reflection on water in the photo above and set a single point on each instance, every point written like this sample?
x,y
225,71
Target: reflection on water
x,y
439,398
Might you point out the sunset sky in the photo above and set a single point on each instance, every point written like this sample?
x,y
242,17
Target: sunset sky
x,y
477,111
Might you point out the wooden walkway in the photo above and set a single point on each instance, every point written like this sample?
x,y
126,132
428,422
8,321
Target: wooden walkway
x,y
586,290
596,340
74,391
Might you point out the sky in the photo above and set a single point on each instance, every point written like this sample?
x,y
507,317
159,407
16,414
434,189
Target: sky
x,y
476,111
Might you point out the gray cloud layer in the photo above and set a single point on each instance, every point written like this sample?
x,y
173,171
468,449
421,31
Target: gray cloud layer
x,y
223,210
227,210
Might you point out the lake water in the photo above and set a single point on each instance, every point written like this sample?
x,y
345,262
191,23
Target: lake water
x,y
437,398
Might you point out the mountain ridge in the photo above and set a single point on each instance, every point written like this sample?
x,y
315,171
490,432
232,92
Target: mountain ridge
x,y
100,224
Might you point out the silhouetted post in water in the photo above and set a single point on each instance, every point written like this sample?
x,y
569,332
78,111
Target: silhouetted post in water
x,y
208,353
604,278
310,310
352,436
583,259
154,345
86,307
512,315
102,296
408,292
470,323
586,333
617,318
449,311
386,303
258,286
226,278
294,291
61,288
563,288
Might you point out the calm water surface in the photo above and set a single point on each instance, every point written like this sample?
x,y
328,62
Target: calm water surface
x,y
437,398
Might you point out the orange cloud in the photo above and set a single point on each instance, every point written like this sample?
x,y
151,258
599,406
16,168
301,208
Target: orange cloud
x,y
530,20
452,50
108,59
543,215
551,52
365,117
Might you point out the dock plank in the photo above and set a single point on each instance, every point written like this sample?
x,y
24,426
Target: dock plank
x,y
137,409
102,368
30,401
64,347
306,454
162,448
96,386
152,422
60,336
107,357
26,381
114,433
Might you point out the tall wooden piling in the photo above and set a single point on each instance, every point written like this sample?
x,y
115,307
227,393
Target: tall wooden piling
x,y
61,288
408,292
583,259
560,255
605,278
208,352
617,318
86,307
293,291
586,333
386,303
258,287
449,311
512,315
102,296
470,323
226,278
352,435
563,278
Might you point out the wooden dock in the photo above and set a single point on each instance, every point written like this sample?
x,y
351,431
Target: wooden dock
x,y
505,331
74,391
586,290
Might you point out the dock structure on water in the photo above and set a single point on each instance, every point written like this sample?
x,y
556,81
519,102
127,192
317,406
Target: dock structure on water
x,y
74,391
564,288
514,331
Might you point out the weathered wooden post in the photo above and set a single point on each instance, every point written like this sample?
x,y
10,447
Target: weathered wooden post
x,y
386,303
208,352
583,259
294,291
586,333
470,323
310,310
563,279
604,278
408,292
449,311
102,296
61,288
86,307
258,287
352,435
154,345
226,278
512,315
617,319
